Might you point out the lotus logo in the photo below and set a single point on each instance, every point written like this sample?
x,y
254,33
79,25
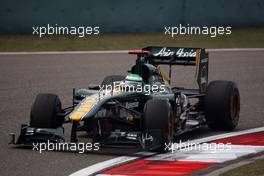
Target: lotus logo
x,y
164,52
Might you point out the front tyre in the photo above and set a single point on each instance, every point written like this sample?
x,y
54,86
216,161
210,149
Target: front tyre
x,y
158,115
45,110
222,105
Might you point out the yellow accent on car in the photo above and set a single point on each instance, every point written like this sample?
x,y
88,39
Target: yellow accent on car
x,y
117,89
82,110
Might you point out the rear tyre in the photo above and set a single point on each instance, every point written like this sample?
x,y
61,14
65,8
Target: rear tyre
x,y
45,110
222,105
112,78
158,115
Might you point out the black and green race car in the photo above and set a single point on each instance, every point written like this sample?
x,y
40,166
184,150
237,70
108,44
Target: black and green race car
x,y
140,108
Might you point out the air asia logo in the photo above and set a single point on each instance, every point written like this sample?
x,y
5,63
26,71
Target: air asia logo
x,y
164,52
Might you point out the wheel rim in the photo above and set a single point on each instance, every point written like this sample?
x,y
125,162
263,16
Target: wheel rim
x,y
235,108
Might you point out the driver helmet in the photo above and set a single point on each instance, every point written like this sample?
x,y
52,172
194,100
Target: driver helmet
x,y
133,79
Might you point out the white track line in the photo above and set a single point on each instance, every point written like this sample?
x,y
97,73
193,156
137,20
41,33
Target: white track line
x,y
116,51
123,159
106,164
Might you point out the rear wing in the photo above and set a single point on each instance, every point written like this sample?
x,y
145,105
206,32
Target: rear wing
x,y
157,55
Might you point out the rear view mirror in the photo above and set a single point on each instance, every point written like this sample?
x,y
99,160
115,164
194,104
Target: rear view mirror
x,y
93,87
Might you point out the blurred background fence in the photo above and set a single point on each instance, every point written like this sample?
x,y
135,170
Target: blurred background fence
x,y
18,16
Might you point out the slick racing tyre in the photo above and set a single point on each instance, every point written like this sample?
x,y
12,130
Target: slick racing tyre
x,y
222,105
45,110
158,115
108,80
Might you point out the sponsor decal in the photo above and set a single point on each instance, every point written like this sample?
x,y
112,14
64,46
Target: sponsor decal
x,y
204,60
131,105
164,52
146,140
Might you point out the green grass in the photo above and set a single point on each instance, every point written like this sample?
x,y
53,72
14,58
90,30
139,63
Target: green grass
x,y
253,169
240,38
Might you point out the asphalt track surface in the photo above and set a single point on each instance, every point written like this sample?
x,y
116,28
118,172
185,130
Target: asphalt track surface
x,y
22,77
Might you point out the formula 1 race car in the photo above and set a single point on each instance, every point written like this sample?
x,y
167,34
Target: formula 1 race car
x,y
140,108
